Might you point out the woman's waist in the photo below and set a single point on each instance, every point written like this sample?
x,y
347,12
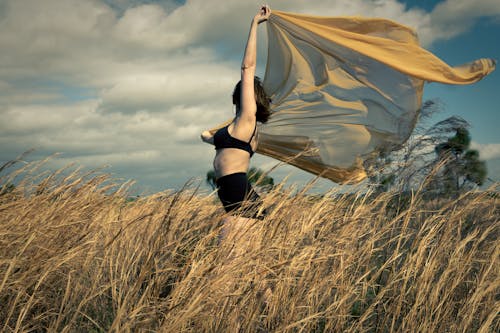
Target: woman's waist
x,y
222,172
226,167
230,156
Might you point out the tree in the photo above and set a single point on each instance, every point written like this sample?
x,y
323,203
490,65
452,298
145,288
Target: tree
x,y
444,144
406,166
462,168
260,178
211,179
256,177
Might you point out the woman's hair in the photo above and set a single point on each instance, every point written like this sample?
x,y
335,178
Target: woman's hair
x,y
263,107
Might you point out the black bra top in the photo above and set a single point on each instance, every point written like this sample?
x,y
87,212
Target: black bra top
x,y
222,139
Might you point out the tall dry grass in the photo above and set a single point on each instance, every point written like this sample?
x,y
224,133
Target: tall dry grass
x,y
77,255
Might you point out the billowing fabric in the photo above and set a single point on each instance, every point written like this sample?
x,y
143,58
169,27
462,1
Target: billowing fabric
x,y
345,88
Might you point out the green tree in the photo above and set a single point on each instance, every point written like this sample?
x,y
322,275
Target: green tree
x,y
256,177
462,168
436,156
211,179
260,178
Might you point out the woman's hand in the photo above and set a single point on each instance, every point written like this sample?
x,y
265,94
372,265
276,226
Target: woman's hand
x,y
263,14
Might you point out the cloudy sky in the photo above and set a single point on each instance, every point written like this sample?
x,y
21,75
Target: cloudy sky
x,y
131,83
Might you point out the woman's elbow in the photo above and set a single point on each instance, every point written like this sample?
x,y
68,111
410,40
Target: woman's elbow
x,y
248,67
206,137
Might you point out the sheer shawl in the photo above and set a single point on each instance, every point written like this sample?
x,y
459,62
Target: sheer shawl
x,y
344,88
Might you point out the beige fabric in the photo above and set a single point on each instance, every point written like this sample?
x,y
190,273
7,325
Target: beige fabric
x,y
344,88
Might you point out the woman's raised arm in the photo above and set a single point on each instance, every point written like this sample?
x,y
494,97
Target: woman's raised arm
x,y
248,65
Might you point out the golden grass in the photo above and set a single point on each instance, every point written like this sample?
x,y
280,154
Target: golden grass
x,y
76,255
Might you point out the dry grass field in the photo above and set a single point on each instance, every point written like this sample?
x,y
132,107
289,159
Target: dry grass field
x,y
76,254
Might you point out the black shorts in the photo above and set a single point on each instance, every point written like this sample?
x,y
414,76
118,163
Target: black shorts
x,y
235,192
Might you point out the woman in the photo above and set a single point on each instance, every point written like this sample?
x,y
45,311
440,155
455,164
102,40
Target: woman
x,y
236,142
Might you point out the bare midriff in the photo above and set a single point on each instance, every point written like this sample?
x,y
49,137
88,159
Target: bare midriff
x,y
230,160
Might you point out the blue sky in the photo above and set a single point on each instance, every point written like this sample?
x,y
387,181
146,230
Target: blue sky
x,y
478,103
131,84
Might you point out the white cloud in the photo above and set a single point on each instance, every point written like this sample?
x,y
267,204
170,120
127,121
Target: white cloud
x,y
196,84
149,25
451,18
487,151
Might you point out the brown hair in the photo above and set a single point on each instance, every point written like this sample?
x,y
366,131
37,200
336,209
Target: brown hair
x,y
263,107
